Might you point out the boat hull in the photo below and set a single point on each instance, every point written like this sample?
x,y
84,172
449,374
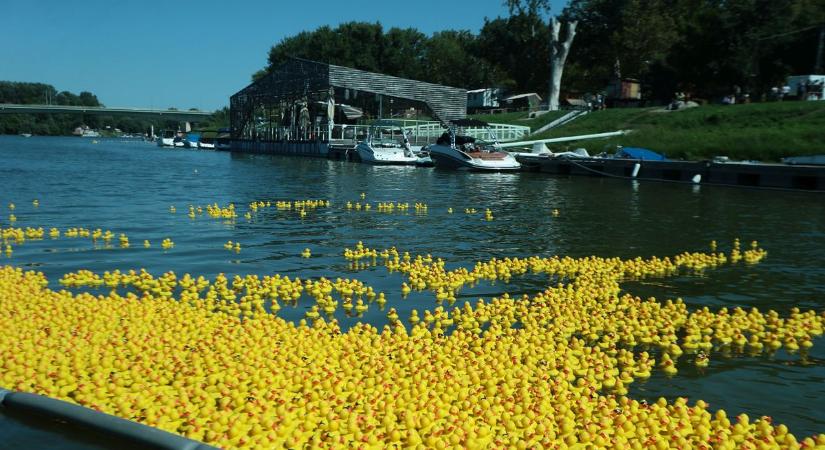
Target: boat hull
x,y
385,156
450,158
166,142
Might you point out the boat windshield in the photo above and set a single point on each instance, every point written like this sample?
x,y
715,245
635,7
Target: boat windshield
x,y
466,142
388,134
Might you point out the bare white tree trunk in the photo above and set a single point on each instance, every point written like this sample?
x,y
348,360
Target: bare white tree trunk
x,y
558,55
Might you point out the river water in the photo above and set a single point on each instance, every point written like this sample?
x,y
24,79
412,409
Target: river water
x,y
128,187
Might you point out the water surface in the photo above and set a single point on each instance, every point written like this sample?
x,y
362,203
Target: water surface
x,y
128,186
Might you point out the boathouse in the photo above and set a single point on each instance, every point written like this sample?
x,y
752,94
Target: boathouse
x,y
305,107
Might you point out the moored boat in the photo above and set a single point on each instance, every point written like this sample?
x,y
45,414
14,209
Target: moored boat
x,y
166,138
387,143
454,150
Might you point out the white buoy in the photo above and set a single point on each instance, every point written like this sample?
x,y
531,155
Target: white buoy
x,y
636,168
697,178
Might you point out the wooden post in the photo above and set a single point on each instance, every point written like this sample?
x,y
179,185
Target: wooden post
x,y
558,55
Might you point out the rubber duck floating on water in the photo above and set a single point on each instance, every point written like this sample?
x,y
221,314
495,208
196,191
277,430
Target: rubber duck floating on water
x,y
550,369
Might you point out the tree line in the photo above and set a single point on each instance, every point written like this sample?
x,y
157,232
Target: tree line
x,y
25,93
705,47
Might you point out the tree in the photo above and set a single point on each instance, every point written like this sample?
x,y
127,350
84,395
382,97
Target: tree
x,y
527,7
402,53
450,59
43,124
517,46
558,55
88,99
351,44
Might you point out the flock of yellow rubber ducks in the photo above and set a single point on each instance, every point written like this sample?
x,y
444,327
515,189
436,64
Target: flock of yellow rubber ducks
x,y
229,213
19,236
213,361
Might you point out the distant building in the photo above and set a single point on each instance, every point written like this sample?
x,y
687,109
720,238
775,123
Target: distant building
x,y
484,98
807,87
624,92
529,101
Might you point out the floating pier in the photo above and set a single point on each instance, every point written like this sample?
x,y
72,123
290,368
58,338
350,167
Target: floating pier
x,y
774,176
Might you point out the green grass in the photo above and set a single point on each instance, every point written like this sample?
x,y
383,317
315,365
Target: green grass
x,y
520,118
760,131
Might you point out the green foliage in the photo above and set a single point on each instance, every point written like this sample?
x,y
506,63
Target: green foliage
x,y
703,47
764,131
64,124
219,119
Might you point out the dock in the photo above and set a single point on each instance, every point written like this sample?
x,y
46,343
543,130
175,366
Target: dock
x,y
755,175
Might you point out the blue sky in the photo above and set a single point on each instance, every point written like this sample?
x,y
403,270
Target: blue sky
x,y
159,54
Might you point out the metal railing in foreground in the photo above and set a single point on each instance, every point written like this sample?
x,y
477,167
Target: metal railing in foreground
x,y
24,403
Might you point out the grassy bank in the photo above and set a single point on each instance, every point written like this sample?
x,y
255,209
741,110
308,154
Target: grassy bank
x,y
760,131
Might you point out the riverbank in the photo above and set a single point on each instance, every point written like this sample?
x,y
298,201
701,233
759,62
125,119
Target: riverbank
x,y
759,131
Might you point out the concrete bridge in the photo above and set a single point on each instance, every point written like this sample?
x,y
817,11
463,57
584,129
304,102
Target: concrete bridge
x,y
191,116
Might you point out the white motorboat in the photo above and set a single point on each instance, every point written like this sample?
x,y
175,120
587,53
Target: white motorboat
x,y
166,138
457,151
206,143
388,143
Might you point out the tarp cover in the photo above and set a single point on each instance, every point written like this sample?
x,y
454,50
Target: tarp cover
x,y
640,153
444,139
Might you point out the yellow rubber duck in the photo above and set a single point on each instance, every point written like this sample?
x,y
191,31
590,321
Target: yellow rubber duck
x,y
702,360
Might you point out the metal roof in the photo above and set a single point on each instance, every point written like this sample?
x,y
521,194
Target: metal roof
x,y
297,77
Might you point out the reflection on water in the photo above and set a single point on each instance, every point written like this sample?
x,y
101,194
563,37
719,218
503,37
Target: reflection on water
x,y
128,186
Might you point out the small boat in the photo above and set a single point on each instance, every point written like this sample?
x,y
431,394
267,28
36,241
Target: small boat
x,y
457,151
192,140
26,135
179,139
166,138
206,143
223,139
387,143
